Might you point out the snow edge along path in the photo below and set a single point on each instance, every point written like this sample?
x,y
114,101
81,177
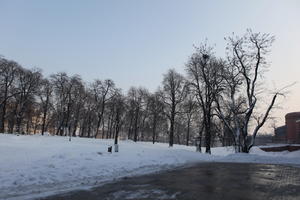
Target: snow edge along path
x,y
35,166
30,192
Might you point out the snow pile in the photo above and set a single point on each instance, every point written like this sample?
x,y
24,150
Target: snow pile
x,y
33,166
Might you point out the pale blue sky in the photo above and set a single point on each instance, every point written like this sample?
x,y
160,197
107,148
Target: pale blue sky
x,y
134,42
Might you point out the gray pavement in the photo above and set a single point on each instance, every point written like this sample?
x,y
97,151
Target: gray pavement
x,y
206,181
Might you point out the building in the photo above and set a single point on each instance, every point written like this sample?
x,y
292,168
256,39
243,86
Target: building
x,y
292,121
289,133
280,134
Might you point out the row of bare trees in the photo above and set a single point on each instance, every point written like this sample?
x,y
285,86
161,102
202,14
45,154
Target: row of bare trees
x,y
217,99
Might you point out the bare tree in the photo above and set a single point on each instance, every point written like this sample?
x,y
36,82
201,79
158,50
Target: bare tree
x,y
136,101
232,103
45,94
88,115
63,98
247,59
174,93
156,107
144,114
27,86
103,91
8,73
78,94
189,109
119,108
204,72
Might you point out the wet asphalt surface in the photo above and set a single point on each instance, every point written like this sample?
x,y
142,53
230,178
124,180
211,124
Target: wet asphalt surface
x,y
206,181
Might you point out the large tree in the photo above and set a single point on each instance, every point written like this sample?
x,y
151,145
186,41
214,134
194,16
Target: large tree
x,y
119,109
103,91
45,97
174,93
27,87
189,109
204,71
8,75
156,108
63,101
245,68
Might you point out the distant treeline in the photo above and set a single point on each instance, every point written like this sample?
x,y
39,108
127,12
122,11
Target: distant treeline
x,y
214,100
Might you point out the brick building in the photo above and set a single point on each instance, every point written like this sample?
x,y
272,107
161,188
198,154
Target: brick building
x,y
291,131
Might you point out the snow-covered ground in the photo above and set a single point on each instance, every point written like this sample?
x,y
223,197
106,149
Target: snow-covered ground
x,y
33,166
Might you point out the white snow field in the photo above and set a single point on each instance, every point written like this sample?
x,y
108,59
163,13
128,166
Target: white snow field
x,y
37,166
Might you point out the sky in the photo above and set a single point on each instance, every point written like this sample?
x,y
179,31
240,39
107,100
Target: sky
x,y
134,42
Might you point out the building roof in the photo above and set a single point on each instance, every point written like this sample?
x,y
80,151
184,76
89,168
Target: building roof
x,y
292,115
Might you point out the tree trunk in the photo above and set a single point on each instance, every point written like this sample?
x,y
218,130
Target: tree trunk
x,y
188,132
75,128
100,118
2,126
142,129
200,138
130,127
136,125
111,127
154,129
35,125
108,126
98,125
117,126
44,122
103,129
172,121
208,134
89,126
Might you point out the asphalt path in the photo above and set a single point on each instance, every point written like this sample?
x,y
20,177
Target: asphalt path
x,y
205,181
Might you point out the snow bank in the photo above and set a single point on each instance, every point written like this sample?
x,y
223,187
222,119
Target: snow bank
x,y
33,166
